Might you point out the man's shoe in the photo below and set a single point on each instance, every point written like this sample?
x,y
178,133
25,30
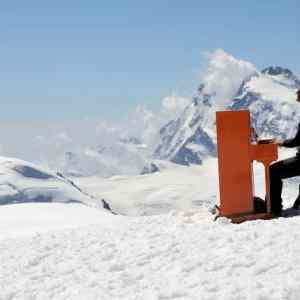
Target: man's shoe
x,y
296,204
259,205
277,213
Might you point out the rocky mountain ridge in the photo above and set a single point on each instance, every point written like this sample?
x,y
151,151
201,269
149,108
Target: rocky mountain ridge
x,y
270,97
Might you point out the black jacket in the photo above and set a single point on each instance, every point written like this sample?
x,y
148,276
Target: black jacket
x,y
295,142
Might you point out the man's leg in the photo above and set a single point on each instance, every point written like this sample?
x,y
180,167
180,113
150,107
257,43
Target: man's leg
x,y
276,187
280,170
296,204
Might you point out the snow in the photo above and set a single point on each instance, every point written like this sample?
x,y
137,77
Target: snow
x,y
175,188
177,136
22,182
105,160
166,244
271,89
30,218
180,255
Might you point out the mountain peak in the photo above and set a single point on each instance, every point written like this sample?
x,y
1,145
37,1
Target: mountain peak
x,y
276,70
283,76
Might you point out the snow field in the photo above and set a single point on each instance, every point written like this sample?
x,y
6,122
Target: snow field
x,y
169,248
29,218
180,255
268,88
175,188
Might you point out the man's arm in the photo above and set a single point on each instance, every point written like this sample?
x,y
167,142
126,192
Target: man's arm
x,y
295,142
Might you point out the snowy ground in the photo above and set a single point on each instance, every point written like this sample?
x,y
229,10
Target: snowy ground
x,y
179,255
30,218
175,188
164,246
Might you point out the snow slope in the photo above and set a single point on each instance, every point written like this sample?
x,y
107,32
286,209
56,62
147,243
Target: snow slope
x,y
25,219
175,187
271,98
184,141
180,255
22,182
70,251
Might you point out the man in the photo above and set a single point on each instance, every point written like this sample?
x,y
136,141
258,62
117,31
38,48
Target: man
x,y
285,169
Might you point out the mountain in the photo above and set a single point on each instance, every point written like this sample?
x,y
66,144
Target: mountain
x,y
270,97
283,76
23,182
184,140
122,157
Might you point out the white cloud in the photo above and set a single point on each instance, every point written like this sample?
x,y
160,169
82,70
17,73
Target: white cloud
x,y
143,124
108,133
222,78
48,142
63,138
146,124
174,105
224,75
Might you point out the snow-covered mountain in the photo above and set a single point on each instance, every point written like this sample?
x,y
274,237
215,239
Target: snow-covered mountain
x,y
270,97
121,157
184,140
23,182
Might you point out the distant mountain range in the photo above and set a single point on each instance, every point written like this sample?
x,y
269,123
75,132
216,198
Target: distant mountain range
x,y
190,138
122,157
270,97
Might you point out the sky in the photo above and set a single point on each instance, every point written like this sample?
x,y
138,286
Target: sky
x,y
71,60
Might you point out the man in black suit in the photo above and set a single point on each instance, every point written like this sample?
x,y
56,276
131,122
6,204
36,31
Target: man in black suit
x,y
283,169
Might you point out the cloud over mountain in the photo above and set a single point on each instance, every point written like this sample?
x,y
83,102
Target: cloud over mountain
x,y
181,130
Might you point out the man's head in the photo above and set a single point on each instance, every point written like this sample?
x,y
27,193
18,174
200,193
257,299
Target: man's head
x,y
298,95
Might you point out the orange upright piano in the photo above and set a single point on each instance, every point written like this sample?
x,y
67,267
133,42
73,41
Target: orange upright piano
x,y
236,154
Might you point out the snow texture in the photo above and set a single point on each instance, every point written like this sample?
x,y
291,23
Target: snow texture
x,y
22,182
180,255
169,248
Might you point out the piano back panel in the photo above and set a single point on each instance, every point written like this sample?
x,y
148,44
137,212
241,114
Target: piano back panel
x,y
235,166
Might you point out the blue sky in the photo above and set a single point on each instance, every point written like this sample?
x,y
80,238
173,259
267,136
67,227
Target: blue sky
x,y
67,60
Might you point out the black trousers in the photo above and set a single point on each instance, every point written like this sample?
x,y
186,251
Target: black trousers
x,y
282,169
